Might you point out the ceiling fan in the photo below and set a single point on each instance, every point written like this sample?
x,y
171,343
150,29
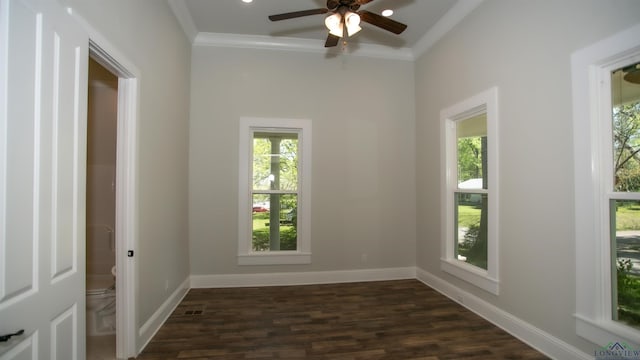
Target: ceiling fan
x,y
345,14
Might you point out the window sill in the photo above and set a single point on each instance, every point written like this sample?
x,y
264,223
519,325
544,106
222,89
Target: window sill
x,y
603,332
274,258
470,274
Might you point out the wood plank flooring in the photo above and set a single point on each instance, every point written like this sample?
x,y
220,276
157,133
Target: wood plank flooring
x,y
397,320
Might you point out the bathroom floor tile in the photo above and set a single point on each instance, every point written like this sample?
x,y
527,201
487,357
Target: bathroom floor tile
x,y
101,347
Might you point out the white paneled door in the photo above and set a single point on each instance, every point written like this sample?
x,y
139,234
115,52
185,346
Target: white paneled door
x,y
43,97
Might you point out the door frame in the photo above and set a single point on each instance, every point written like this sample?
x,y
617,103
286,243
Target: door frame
x,y
126,190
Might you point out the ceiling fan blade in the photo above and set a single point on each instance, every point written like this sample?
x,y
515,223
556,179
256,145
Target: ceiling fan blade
x,y
382,22
332,40
297,14
362,2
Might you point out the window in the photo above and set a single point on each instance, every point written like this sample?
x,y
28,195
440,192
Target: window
x,y
624,195
470,242
274,194
607,189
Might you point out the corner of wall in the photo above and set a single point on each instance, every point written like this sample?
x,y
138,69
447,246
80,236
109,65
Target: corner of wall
x,y
148,330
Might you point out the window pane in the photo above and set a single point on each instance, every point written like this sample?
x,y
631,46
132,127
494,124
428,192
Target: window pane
x,y
275,161
275,222
471,135
626,128
625,248
470,233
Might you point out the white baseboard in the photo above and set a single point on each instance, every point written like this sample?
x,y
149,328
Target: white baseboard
x,y
150,327
529,334
301,278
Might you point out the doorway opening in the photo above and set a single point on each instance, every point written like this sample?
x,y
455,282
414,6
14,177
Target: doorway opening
x,y
112,219
102,126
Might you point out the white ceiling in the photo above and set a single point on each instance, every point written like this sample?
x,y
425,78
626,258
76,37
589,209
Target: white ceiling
x,y
210,18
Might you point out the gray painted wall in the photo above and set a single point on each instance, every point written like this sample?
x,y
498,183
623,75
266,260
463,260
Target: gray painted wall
x,y
524,48
362,111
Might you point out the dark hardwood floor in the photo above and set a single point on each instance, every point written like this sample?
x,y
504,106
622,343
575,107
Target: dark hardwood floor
x,y
372,320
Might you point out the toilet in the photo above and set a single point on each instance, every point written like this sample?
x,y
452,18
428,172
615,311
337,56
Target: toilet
x,y
101,304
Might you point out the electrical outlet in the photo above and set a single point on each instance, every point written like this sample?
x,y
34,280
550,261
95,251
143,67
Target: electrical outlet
x,y
363,258
166,285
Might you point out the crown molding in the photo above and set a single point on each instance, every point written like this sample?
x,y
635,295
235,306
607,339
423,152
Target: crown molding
x,y
299,45
449,20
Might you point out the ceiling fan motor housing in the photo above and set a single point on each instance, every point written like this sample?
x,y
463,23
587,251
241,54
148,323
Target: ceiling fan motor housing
x,y
344,5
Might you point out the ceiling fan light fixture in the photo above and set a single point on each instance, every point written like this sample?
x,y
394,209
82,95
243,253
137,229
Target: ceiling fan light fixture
x,y
352,30
334,24
352,21
338,31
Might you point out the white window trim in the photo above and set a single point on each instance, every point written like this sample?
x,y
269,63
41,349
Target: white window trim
x,y
591,68
487,101
303,253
